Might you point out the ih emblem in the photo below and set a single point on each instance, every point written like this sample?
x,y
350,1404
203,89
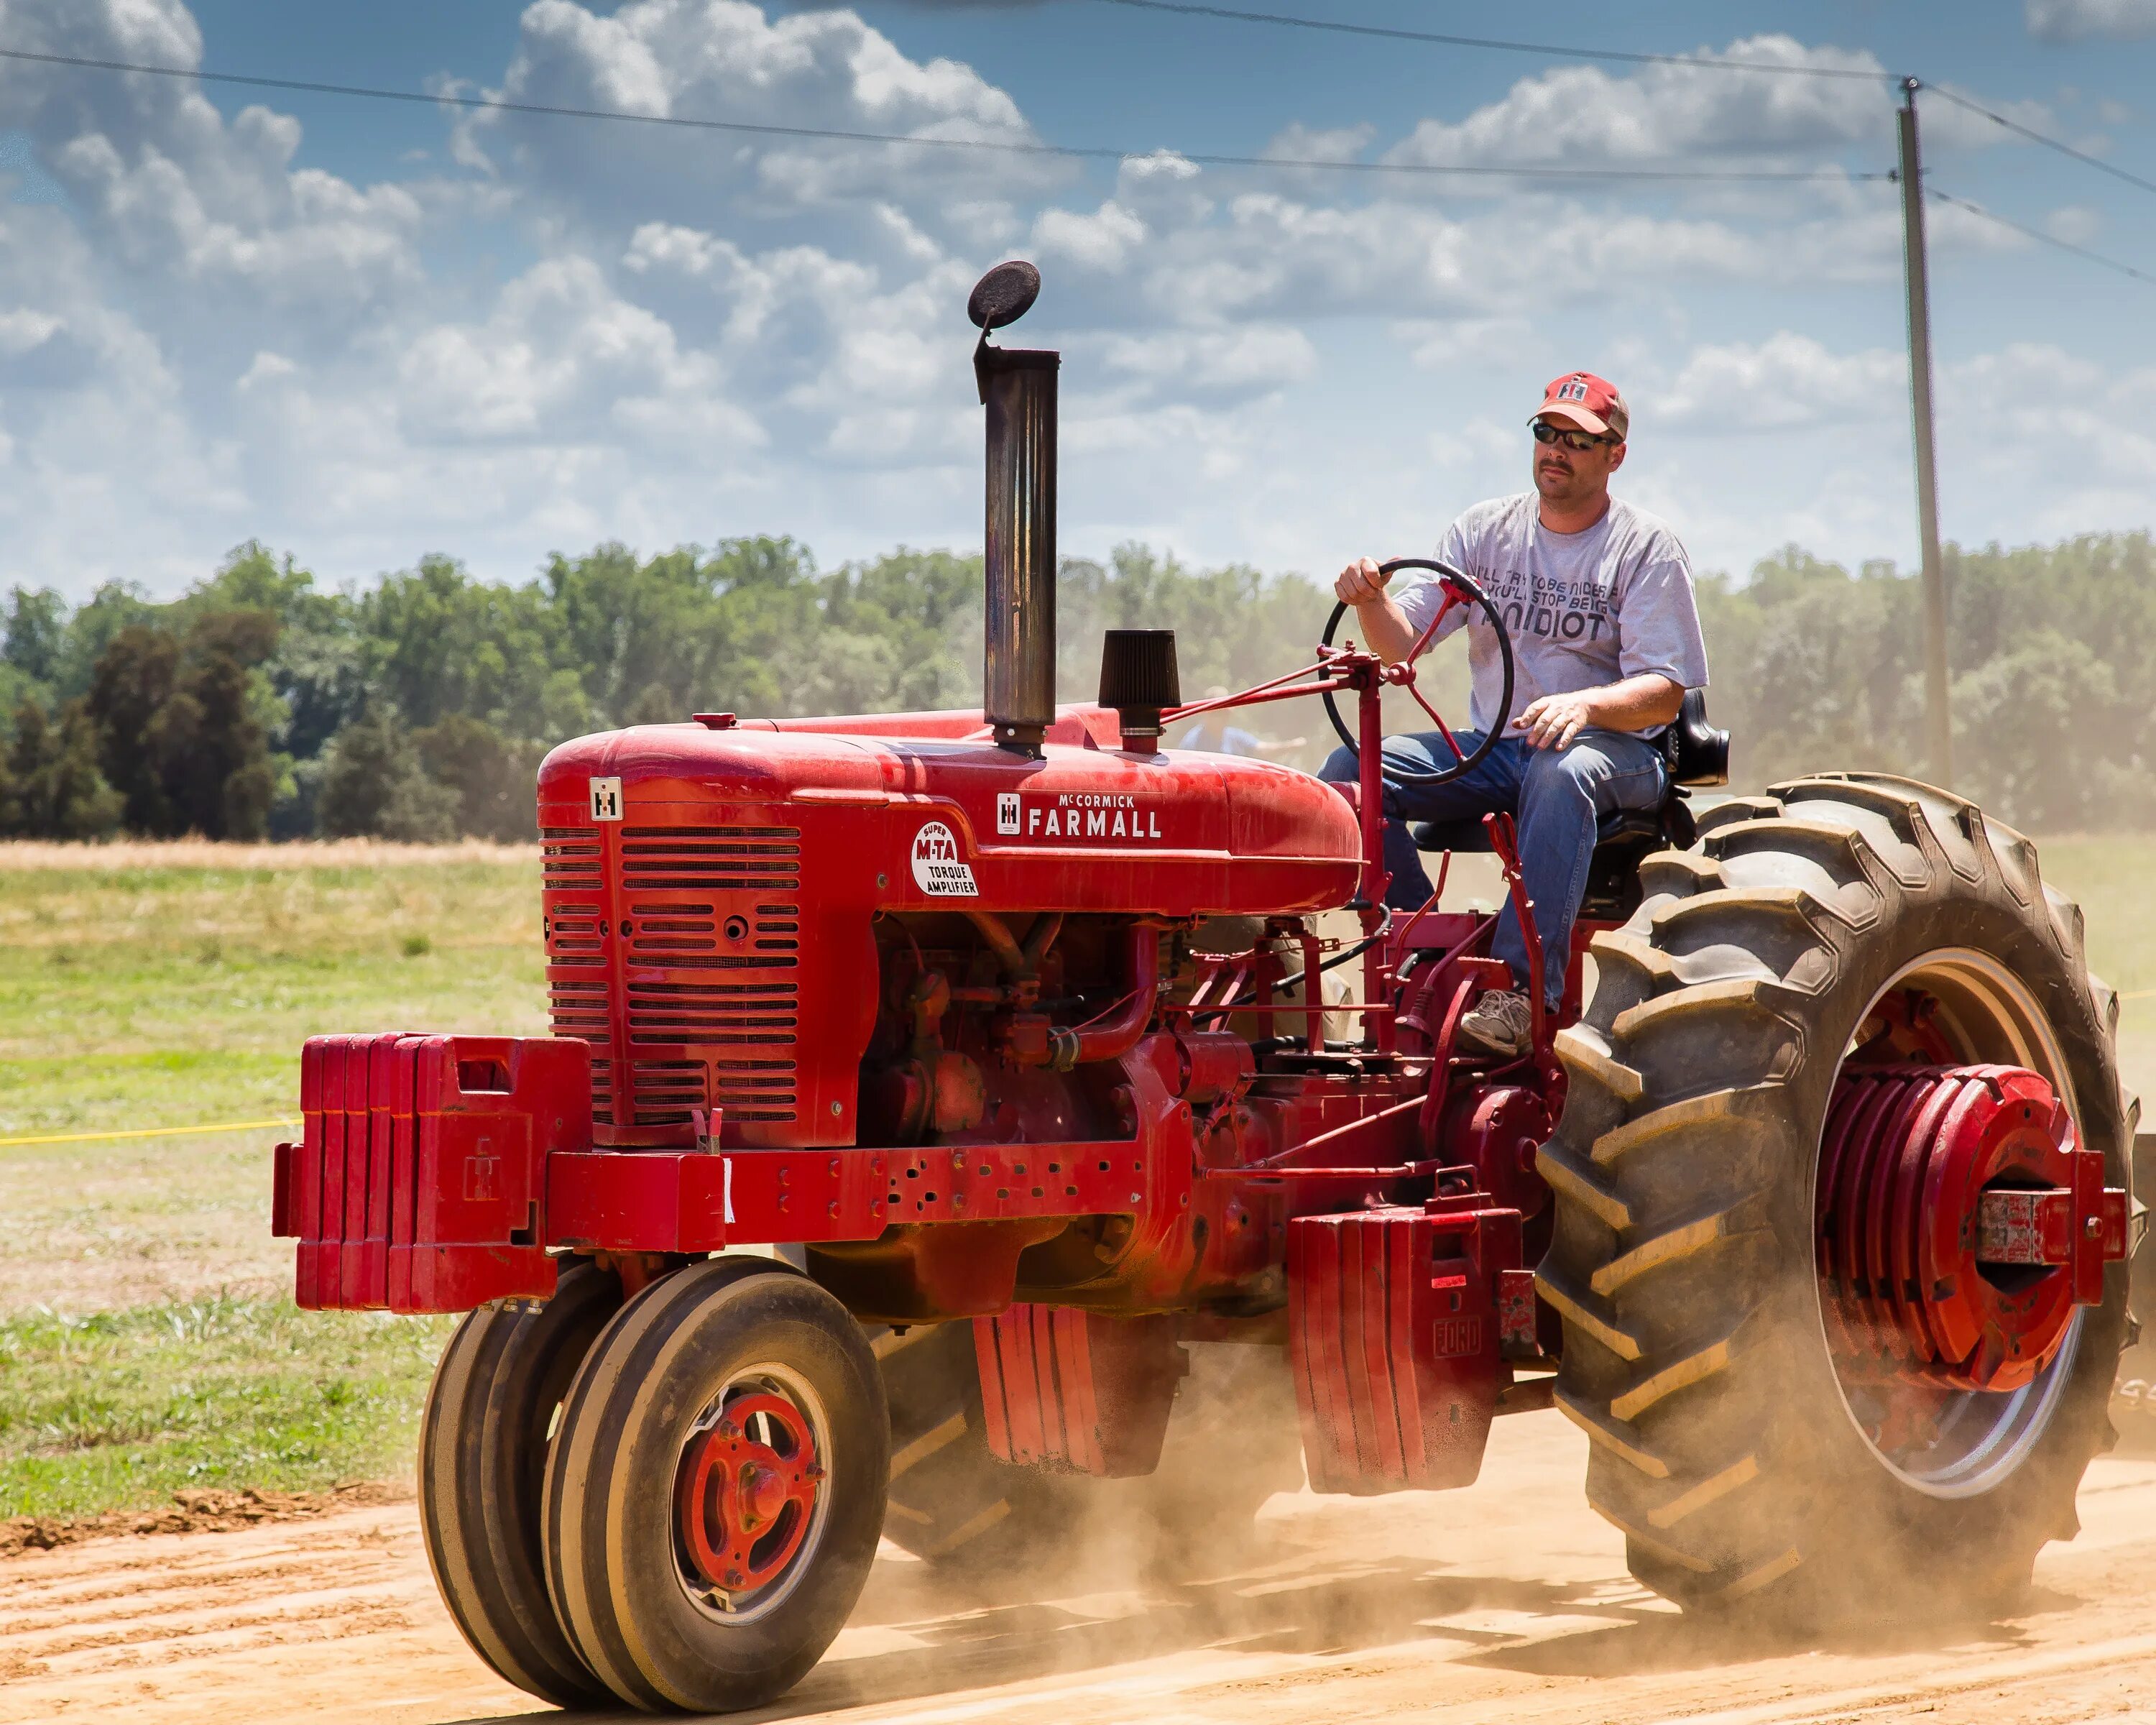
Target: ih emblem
x,y
606,799
1007,820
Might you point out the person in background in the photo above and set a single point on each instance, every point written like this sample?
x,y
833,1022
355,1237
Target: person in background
x,y
1215,734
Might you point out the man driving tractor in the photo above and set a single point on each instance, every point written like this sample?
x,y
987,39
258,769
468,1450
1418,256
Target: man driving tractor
x,y
1597,598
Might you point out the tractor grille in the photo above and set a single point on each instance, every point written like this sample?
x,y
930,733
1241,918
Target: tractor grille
x,y
693,996
572,861
710,858
724,1014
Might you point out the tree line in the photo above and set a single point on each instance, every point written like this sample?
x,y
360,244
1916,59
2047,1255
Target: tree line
x,y
261,705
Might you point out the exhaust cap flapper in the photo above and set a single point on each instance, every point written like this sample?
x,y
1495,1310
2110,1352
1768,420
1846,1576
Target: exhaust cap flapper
x,y
1003,295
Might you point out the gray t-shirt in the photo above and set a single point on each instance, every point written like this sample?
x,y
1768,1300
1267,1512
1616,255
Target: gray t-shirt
x,y
1583,609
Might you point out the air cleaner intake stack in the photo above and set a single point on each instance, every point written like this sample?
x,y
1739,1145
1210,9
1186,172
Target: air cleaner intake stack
x,y
1138,679
1018,388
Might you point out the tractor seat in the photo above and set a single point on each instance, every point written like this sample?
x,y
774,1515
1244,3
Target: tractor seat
x,y
1697,754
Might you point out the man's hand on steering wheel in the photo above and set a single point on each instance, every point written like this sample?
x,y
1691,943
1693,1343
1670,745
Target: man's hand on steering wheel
x,y
1360,583
1550,721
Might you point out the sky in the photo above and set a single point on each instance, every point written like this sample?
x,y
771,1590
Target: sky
x,y
363,331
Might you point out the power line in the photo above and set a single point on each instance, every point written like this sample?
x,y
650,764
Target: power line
x,y
1192,8
1556,50
1538,171
2042,237
2033,137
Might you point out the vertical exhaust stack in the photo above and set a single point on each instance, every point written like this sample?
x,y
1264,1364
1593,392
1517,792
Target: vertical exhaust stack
x,y
1017,387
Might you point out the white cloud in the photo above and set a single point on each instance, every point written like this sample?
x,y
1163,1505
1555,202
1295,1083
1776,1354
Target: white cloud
x,y
691,58
1584,116
692,335
559,355
2076,224
1302,143
1103,240
1214,365
2077,20
173,193
2061,433
1788,381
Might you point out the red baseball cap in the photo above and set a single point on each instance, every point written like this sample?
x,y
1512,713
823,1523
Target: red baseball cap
x,y
1588,401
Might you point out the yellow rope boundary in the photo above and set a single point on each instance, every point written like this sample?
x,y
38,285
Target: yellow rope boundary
x,y
147,1132
250,1125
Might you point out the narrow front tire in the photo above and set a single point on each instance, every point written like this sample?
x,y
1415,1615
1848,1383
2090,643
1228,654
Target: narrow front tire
x,y
716,1488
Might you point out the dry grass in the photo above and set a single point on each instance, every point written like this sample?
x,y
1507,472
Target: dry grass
x,y
26,854
179,994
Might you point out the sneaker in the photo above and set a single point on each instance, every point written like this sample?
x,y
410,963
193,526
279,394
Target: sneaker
x,y
1501,1024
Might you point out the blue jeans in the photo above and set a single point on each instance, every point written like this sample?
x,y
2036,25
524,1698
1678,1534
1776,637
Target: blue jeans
x,y
1558,796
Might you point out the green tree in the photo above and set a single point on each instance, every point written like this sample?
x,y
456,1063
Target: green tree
x,y
180,733
51,787
491,778
134,680
373,785
36,624
2022,718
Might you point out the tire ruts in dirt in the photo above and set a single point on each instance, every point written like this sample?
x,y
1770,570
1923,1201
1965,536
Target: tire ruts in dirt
x,y
1683,1166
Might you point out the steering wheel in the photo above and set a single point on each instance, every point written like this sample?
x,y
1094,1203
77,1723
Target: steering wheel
x,y
1461,587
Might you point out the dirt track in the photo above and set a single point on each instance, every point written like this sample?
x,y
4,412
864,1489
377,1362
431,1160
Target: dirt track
x,y
1508,1601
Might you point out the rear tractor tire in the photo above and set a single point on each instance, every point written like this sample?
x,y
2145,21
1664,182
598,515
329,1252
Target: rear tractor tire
x,y
716,1488
489,1412
1846,924
952,1502
1233,1440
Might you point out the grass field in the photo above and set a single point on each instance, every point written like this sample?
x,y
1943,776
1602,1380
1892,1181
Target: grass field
x,y
146,1340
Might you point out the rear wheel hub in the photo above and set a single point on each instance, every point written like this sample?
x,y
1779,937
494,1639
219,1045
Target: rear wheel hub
x,y
1959,1225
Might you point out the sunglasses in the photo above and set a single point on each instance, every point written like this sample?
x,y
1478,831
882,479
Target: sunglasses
x,y
1579,442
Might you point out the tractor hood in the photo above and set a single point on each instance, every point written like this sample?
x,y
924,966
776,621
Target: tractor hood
x,y
928,813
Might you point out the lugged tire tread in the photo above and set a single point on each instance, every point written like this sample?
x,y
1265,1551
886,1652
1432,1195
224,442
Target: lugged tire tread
x,y
1588,1060
1711,1490
1580,1310
1679,1374
1560,1169
1663,1249
1606,1432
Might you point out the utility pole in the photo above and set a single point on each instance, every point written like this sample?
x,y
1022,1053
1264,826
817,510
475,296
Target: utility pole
x,y
1938,726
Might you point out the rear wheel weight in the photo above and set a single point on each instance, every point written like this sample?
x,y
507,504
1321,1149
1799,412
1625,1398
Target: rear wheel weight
x,y
716,1374
482,1469
1726,1443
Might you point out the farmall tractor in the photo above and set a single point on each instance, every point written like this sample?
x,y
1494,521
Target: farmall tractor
x,y
1009,1031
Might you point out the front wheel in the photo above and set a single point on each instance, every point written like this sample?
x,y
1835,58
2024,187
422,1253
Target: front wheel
x,y
1824,1062
490,1413
715,1489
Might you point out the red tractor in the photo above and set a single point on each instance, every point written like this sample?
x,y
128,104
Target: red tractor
x,y
1008,1030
